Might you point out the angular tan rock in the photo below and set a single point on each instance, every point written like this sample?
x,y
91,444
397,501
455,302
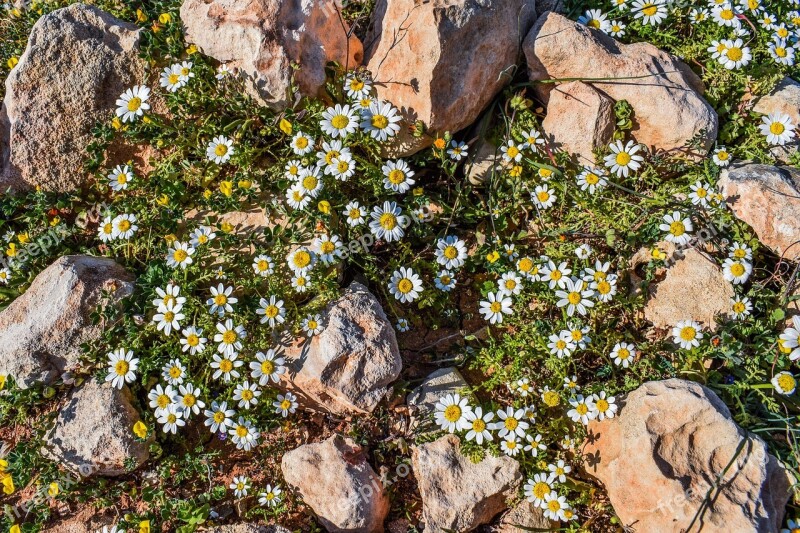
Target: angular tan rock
x,y
458,494
579,119
335,480
262,38
768,199
41,332
676,298
93,433
437,385
349,366
442,63
660,455
484,163
78,61
664,93
523,515
784,98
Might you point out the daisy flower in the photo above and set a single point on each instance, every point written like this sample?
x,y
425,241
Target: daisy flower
x,y
528,268
285,405
737,271
561,345
510,445
272,311
533,139
736,55
740,251
267,367
380,120
650,11
221,300
171,419
310,181
225,366
555,506
246,394
592,180
445,281
510,421
188,400
478,425
124,226
510,283
559,471
458,150
220,149
119,178
543,196
5,275
122,366
623,354
244,434
623,159
229,337
326,247
582,409
173,372
168,317
160,398
451,252
741,307
171,78
450,413
534,445
171,294
180,255
605,289
133,103
538,487
339,121
388,222
725,15
355,214
522,387
495,306
397,176
185,70
594,18
193,341
297,197
784,383
687,334
777,128
301,259
105,231
356,86
219,417
263,265
511,152
722,157
402,325
579,335
300,282
302,143
789,339
312,325
571,383
575,297
604,406
556,275
240,485
700,193
781,52
223,71
405,285
677,228
716,49
271,496
342,167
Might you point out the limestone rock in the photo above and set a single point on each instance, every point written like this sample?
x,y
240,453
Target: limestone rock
x,y
785,98
262,38
437,385
335,480
664,93
442,63
485,163
579,119
659,456
349,366
41,332
768,199
675,297
523,515
78,61
93,432
246,528
458,494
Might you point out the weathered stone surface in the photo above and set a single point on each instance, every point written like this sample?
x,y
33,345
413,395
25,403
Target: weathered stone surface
x,y
93,432
41,332
437,385
660,455
335,480
443,63
785,98
523,515
262,38
579,119
78,61
768,199
664,93
246,528
675,298
458,494
349,366
485,163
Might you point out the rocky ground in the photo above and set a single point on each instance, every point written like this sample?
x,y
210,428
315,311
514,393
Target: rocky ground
x,y
399,266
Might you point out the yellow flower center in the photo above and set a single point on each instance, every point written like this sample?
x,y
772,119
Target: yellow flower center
x,y
602,405
510,284
541,489
171,418
623,353
301,143
229,337
356,84
688,333
192,340
379,121
343,166
576,334
511,423
163,401
121,368
219,417
302,259
738,307
622,159
173,79
543,196
734,54
220,299
677,228
180,256
189,400
396,177
551,398
327,247
285,405
241,431
247,395
124,225
496,307
525,264
169,316
312,324
340,121
452,413
604,287
574,298
650,10
512,152
555,275
786,382
310,183
777,128
388,221
478,425
175,372
271,311
582,409
592,179
226,365
405,285
134,103
737,269
726,14
450,252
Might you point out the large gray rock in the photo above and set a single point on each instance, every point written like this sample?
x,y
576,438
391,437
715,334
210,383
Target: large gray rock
x,y
768,199
349,366
784,98
664,93
93,433
335,480
78,61
660,459
262,38
457,494
443,62
41,332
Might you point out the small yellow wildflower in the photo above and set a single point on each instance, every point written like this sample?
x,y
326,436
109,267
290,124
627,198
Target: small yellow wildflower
x,y
116,123
417,191
170,238
245,184
8,484
140,429
439,144
55,221
165,18
3,465
493,256
12,62
144,526
324,207
226,188
14,529
155,27
146,119
141,16
516,171
659,254
207,194
23,238
286,126
226,227
192,49
2,386
163,200
53,489
12,250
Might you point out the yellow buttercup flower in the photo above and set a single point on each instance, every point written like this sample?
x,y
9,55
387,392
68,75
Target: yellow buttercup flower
x,y
165,18
141,16
144,526
12,250
324,206
516,171
155,27
116,123
14,529
140,429
207,194
170,238
8,484
53,490
3,465
23,238
146,119
55,221
192,49
12,62
163,200
245,184
656,253
418,191
286,126
226,227
226,188
493,256
2,386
